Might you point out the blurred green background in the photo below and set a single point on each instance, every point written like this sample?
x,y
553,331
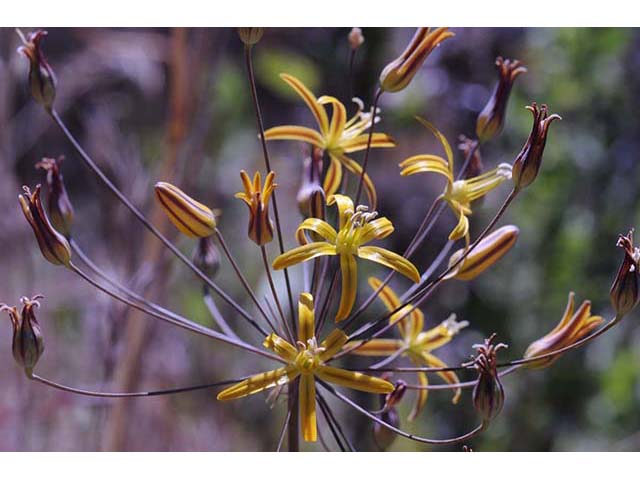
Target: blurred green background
x,y
174,105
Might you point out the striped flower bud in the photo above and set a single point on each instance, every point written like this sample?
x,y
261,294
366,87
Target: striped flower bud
x,y
28,342
60,208
311,197
488,394
491,119
624,291
527,164
490,249
188,215
572,327
42,81
53,245
399,73
257,199
250,35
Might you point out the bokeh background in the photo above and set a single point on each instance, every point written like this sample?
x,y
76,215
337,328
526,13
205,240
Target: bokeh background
x,y
175,105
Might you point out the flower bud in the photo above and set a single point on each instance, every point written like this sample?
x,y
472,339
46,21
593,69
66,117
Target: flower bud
x,y
356,39
206,257
42,81
257,199
188,215
382,436
488,394
28,342
476,166
392,399
572,327
399,73
527,164
250,35
60,208
311,197
491,119
490,249
624,291
53,245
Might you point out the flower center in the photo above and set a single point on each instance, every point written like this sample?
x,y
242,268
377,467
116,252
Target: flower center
x,y
349,236
308,358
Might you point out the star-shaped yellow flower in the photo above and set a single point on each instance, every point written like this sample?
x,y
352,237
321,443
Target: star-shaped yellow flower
x,y
458,193
357,227
338,137
306,360
415,343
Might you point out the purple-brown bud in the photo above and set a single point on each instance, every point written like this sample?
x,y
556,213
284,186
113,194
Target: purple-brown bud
x,y
311,196
257,197
42,80
59,205
355,37
527,164
476,166
488,394
53,245
250,35
624,291
491,120
399,73
206,257
28,342
392,399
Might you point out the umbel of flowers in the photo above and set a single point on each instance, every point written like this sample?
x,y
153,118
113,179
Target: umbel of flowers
x,y
306,349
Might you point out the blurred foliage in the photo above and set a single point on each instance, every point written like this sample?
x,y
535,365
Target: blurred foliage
x,y
113,91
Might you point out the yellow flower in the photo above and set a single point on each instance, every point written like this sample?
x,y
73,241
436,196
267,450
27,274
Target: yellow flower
x,y
189,216
357,227
572,327
257,199
338,137
306,360
458,193
416,344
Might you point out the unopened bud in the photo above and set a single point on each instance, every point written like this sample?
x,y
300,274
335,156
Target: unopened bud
x,y
257,197
206,257
28,342
311,196
490,249
60,208
188,215
624,291
42,80
382,436
399,73
491,120
250,35
54,247
476,166
488,394
392,399
527,164
356,39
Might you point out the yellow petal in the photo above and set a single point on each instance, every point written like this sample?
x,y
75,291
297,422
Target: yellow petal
x,y
378,140
333,344
449,377
308,408
310,99
425,164
318,226
390,259
306,317
442,139
349,271
345,207
338,118
355,380
461,230
294,132
376,230
333,177
378,347
355,168
258,383
391,301
302,254
421,396
280,347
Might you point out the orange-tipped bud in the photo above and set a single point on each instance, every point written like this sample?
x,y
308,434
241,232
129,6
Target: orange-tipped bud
x,y
53,245
399,73
188,215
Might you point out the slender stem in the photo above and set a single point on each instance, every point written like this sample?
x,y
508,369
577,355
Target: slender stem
x,y
352,58
292,429
453,386
365,162
402,433
334,431
331,418
283,430
140,216
390,358
150,393
245,284
274,293
183,323
265,152
216,315
327,300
